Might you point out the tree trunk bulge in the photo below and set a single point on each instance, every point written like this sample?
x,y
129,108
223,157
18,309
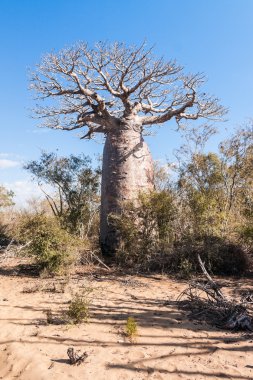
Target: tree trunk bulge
x,y
127,170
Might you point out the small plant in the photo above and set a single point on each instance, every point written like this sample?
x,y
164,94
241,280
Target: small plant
x,y
131,329
78,311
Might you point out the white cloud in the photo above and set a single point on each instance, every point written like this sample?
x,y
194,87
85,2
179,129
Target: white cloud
x,y
25,190
6,164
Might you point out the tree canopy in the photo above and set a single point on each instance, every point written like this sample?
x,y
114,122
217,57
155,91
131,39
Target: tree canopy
x,y
95,88
75,183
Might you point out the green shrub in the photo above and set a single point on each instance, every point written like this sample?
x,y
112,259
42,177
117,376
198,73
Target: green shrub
x,y
51,246
78,311
152,239
131,329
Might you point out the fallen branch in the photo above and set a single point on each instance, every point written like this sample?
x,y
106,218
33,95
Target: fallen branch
x,y
100,261
6,252
213,284
12,250
89,256
20,247
206,302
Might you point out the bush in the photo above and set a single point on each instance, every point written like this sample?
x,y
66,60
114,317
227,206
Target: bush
x,y
78,311
219,256
131,329
51,246
226,258
145,230
151,240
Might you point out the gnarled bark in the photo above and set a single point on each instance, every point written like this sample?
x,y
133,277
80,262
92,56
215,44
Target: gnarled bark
x,y
127,171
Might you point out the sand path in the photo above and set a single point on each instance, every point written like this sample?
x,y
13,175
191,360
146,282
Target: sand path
x,y
168,345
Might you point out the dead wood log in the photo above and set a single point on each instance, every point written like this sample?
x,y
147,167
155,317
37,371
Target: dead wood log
x,y
75,358
213,284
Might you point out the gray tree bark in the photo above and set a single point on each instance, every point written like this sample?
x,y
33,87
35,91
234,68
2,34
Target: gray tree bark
x,y
127,171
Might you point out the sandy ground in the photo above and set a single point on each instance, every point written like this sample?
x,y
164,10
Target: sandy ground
x,y
168,346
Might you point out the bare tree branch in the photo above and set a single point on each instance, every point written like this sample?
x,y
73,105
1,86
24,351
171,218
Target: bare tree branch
x,y
96,89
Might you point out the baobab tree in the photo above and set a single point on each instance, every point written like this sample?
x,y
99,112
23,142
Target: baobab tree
x,y
117,91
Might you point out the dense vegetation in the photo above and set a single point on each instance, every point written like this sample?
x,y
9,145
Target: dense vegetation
x,y
207,209
203,204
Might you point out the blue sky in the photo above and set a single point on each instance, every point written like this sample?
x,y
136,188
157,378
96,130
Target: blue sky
x,y
210,36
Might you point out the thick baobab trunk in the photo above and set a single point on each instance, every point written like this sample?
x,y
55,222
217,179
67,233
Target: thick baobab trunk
x,y
127,170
